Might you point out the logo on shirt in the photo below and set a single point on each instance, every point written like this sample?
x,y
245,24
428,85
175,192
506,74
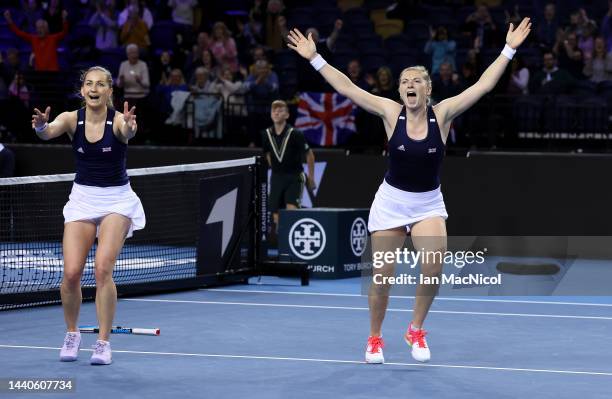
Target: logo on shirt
x,y
107,149
402,117
432,120
109,122
81,150
279,153
401,148
432,150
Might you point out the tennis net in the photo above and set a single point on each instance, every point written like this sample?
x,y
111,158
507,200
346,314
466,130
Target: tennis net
x,y
185,243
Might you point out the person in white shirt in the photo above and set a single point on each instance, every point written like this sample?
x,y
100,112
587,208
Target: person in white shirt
x,y
134,75
519,77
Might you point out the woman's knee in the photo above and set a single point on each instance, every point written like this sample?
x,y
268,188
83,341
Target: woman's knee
x,y
431,269
72,276
104,268
379,287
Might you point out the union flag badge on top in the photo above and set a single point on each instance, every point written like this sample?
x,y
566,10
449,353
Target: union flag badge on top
x,y
326,119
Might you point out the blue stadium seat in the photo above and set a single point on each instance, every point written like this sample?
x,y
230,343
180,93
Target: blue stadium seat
x,y
345,45
435,14
302,18
63,59
234,5
8,40
4,29
82,31
357,13
163,35
358,26
400,41
285,59
319,4
371,45
377,4
111,59
418,31
342,58
371,63
24,56
498,16
463,13
398,62
325,20
402,45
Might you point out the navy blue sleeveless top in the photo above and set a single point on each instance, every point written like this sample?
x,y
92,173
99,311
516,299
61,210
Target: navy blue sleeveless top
x,y
100,164
414,165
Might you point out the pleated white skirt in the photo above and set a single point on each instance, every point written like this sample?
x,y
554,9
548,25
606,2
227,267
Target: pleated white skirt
x,y
394,208
94,203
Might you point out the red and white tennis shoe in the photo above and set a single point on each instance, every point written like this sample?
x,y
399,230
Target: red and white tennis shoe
x,y
416,340
374,353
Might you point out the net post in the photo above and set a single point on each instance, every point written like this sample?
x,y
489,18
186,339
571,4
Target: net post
x,y
261,210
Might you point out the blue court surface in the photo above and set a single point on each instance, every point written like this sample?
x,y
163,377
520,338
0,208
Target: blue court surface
x,y
275,339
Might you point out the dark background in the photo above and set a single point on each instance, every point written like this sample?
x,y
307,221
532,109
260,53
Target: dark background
x,y
485,193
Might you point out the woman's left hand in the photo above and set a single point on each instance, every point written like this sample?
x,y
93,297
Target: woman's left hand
x,y
129,117
516,36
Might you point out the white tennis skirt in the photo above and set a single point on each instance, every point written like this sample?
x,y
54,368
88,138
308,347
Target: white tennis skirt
x,y
89,203
394,208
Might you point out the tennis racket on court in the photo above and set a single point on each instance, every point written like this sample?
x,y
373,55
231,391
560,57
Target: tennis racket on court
x,y
121,330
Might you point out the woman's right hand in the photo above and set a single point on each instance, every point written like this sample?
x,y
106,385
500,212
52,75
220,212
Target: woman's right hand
x,y
39,119
303,46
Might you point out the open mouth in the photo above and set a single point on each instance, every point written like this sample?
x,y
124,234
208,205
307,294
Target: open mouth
x,y
411,94
94,97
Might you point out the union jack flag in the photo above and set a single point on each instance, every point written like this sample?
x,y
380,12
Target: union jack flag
x,y
326,119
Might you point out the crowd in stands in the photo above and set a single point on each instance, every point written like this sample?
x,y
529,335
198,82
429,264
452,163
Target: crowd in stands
x,y
177,60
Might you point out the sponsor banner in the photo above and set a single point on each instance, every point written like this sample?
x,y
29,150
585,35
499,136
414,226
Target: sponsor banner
x,y
331,241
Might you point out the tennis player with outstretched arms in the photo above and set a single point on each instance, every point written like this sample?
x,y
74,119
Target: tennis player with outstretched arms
x,y
101,203
409,199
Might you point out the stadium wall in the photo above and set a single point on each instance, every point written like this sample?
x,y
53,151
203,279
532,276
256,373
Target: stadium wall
x,y
485,193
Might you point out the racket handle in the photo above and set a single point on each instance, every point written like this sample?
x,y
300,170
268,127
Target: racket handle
x,y
146,331
121,330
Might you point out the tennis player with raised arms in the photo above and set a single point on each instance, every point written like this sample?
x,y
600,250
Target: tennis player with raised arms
x,y
101,203
409,199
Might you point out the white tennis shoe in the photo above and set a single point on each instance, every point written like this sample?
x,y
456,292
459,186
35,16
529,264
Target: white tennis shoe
x,y
102,353
70,349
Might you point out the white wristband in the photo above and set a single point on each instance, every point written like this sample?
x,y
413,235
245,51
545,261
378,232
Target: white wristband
x,y
508,52
42,128
318,62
